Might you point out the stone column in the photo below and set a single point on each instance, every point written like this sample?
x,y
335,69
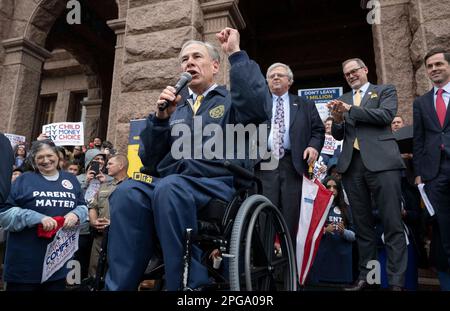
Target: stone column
x,y
155,32
430,22
6,15
20,83
91,115
218,14
118,25
392,40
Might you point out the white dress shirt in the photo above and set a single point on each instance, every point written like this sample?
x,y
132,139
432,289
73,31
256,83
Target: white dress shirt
x,y
445,94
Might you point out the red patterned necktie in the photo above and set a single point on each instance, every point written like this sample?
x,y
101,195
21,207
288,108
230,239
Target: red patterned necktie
x,y
441,110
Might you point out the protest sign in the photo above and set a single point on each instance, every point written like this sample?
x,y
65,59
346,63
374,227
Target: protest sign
x,y
15,139
65,133
59,251
134,144
329,145
320,97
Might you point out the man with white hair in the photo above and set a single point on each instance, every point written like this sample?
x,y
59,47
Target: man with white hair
x,y
296,137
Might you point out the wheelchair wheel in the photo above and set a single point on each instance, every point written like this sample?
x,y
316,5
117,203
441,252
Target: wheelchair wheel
x,y
254,262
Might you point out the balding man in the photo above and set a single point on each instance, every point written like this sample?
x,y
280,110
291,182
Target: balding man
x,y
99,209
370,165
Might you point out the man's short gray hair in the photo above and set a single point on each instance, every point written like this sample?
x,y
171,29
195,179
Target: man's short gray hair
x,y
212,51
357,60
288,69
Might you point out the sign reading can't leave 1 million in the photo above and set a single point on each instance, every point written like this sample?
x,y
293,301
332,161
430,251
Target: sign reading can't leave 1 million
x,y
320,97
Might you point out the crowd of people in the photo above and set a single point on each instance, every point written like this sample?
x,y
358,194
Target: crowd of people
x,y
376,214
90,172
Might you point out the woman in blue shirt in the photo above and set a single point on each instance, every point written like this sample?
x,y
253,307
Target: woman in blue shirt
x,y
35,198
333,262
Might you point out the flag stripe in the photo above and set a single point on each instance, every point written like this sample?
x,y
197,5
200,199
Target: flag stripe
x,y
309,192
322,205
315,204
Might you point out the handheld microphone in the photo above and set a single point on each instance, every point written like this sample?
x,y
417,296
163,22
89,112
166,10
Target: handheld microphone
x,y
185,78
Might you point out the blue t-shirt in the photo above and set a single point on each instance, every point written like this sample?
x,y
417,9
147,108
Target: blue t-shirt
x,y
333,262
25,251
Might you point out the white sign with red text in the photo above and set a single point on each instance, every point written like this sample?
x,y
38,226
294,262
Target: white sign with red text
x,y
65,133
329,145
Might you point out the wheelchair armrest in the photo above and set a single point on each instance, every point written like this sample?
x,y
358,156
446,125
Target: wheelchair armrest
x,y
243,173
209,228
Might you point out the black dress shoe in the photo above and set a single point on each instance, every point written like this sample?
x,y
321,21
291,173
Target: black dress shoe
x,y
361,285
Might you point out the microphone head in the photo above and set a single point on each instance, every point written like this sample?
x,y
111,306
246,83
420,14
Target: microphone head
x,y
185,78
186,75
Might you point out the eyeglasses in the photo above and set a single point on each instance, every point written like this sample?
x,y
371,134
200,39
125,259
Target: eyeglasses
x,y
352,72
279,75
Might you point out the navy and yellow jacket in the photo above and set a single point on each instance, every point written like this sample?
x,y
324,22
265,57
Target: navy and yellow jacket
x,y
248,102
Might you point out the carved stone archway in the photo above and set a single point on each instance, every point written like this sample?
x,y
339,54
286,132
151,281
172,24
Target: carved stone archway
x,y
25,52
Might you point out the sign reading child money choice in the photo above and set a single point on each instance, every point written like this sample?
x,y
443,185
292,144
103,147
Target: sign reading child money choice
x,y
65,133
320,97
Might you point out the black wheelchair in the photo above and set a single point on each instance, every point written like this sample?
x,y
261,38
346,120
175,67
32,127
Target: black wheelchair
x,y
248,233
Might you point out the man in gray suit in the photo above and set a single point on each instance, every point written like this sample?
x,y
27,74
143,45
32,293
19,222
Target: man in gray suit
x,y
370,163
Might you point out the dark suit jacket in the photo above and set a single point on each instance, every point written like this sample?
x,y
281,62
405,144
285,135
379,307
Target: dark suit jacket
x,y
428,137
6,166
371,124
306,129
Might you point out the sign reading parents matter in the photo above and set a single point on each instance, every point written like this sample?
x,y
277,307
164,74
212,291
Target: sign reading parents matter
x,y
59,251
65,133
320,97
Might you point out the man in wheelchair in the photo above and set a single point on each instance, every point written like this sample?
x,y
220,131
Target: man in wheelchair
x,y
163,206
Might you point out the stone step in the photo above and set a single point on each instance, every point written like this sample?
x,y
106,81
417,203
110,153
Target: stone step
x,y
428,280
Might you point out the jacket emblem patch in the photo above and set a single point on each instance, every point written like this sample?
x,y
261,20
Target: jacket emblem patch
x,y
142,177
217,112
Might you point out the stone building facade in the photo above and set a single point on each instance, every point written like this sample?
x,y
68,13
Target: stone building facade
x,y
112,67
